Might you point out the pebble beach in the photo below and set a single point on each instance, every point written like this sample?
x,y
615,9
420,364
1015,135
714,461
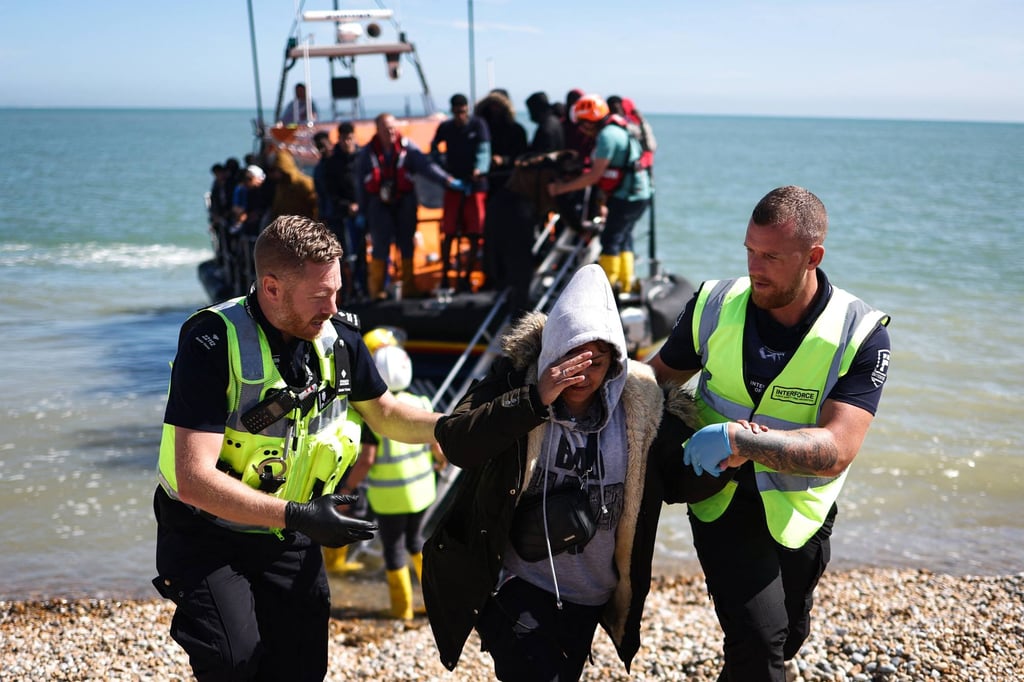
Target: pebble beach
x,y
868,625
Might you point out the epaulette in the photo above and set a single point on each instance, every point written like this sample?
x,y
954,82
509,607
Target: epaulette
x,y
350,320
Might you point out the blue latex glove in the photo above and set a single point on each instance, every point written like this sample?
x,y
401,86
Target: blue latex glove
x,y
707,448
459,186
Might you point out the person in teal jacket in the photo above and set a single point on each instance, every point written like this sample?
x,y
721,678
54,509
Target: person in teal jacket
x,y
805,363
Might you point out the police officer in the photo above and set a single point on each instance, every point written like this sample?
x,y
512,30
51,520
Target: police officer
x,y
791,373
255,440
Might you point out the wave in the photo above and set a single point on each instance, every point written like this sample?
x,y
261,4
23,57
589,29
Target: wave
x,y
90,255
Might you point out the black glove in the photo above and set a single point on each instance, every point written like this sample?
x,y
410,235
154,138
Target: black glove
x,y
324,524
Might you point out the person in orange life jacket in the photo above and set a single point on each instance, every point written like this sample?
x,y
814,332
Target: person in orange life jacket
x,y
387,195
462,146
614,168
787,350
241,557
400,481
563,414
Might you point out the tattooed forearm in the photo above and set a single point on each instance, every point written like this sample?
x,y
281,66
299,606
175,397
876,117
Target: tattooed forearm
x,y
799,452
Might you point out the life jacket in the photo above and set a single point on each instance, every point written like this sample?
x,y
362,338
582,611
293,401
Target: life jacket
x,y
297,457
401,480
795,505
383,172
613,176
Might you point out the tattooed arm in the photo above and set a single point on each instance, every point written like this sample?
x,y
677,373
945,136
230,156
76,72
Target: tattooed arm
x,y
824,450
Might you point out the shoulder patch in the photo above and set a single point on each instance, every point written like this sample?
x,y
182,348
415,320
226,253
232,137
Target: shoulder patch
x,y
881,368
350,320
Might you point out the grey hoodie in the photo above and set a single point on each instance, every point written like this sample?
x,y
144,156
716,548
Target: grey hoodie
x,y
590,451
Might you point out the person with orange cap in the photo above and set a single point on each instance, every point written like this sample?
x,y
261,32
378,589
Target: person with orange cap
x,y
616,169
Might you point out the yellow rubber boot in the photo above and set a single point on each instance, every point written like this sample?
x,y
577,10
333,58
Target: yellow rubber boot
x,y
610,265
626,271
409,288
400,591
375,278
417,565
336,560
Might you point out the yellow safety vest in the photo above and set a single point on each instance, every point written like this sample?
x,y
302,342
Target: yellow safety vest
x,y
401,480
296,458
795,505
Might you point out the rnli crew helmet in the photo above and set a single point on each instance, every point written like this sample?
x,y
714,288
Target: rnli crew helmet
x,y
380,337
394,366
589,108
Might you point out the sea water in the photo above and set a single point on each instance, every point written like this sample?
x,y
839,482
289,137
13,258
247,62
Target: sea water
x,y
102,225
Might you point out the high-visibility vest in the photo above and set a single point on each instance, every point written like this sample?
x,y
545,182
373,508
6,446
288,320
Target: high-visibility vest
x,y
795,505
296,458
402,479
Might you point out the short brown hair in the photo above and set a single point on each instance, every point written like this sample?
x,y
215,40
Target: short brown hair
x,y
794,203
291,241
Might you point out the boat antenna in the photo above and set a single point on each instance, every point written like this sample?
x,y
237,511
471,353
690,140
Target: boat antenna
x,y
428,99
255,73
472,57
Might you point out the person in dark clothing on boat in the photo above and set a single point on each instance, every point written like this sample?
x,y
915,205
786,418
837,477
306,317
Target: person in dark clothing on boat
x,y
508,222
255,441
549,135
296,112
251,201
562,416
386,167
462,147
786,349
338,201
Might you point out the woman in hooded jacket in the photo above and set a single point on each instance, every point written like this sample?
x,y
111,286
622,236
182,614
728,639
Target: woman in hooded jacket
x,y
563,410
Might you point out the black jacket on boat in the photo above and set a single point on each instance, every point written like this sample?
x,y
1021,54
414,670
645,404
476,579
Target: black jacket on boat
x,y
463,557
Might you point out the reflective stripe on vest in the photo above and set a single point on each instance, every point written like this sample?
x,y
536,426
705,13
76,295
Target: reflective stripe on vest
x,y
300,456
795,505
401,480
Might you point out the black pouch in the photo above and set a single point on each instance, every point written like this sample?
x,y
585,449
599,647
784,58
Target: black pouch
x,y
570,523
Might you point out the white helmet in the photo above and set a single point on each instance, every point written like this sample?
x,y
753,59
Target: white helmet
x,y
394,366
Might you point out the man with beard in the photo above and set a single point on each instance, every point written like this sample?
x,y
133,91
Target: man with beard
x,y
255,441
805,362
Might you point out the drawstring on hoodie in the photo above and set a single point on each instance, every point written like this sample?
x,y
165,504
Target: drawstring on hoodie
x,y
544,515
578,443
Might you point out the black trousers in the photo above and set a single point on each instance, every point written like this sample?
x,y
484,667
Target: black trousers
x,y
250,606
763,592
400,535
530,639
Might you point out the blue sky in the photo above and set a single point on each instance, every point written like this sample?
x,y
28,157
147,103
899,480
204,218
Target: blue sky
x,y
907,59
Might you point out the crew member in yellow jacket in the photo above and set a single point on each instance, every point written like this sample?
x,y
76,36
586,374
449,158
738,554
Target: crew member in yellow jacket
x,y
400,485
